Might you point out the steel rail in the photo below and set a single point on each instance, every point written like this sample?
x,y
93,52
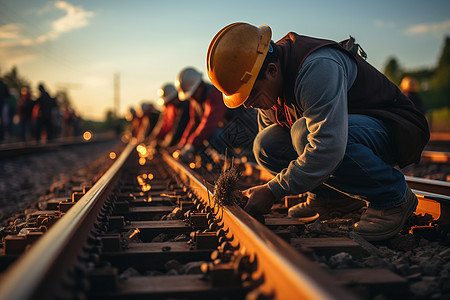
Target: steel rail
x,y
435,156
11,150
287,273
34,274
429,185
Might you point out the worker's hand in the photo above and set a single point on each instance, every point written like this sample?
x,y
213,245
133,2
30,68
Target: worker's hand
x,y
260,200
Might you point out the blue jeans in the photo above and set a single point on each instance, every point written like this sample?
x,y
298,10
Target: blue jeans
x,y
366,171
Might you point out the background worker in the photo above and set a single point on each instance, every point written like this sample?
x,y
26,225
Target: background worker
x,y
4,94
45,121
207,111
410,87
25,110
172,120
149,116
329,122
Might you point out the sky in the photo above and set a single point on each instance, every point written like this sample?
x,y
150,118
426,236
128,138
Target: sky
x,y
80,45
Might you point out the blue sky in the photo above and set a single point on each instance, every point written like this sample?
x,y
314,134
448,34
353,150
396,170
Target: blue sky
x,y
82,44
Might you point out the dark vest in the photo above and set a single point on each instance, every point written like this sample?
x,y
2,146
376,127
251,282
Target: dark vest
x,y
371,94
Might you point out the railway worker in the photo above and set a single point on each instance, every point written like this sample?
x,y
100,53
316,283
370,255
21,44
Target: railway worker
x,y
149,115
207,112
4,94
173,120
25,110
135,121
47,108
410,87
330,125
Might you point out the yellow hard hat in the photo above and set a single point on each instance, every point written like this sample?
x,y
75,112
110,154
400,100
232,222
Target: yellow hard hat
x,y
235,56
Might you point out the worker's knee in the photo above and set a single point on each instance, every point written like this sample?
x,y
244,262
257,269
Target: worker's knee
x,y
267,141
273,149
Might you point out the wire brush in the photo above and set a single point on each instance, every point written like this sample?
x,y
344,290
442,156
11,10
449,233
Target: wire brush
x,y
225,189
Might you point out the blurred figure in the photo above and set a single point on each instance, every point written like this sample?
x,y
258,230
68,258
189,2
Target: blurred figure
x,y
76,123
207,112
150,116
173,120
117,127
135,122
9,111
142,118
410,87
34,121
57,118
4,94
45,114
67,126
25,109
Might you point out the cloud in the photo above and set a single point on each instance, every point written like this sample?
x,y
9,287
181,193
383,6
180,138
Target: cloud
x,y
16,48
76,17
10,31
428,28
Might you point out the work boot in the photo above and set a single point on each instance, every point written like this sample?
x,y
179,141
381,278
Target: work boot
x,y
378,224
314,208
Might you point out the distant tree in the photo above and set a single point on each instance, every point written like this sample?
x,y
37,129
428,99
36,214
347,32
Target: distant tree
x,y
444,60
436,93
113,122
393,71
110,116
63,98
14,80
440,82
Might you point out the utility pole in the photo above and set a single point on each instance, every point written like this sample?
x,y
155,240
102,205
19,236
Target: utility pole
x,y
117,94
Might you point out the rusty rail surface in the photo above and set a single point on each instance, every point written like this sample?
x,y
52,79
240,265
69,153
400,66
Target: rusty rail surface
x,y
47,261
286,273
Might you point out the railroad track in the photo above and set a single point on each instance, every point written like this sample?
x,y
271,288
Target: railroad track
x,y
151,228
438,142
20,148
435,156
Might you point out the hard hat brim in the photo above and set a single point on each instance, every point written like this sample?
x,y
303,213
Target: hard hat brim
x,y
241,95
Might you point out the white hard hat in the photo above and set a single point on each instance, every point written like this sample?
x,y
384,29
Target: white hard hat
x,y
187,83
167,93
